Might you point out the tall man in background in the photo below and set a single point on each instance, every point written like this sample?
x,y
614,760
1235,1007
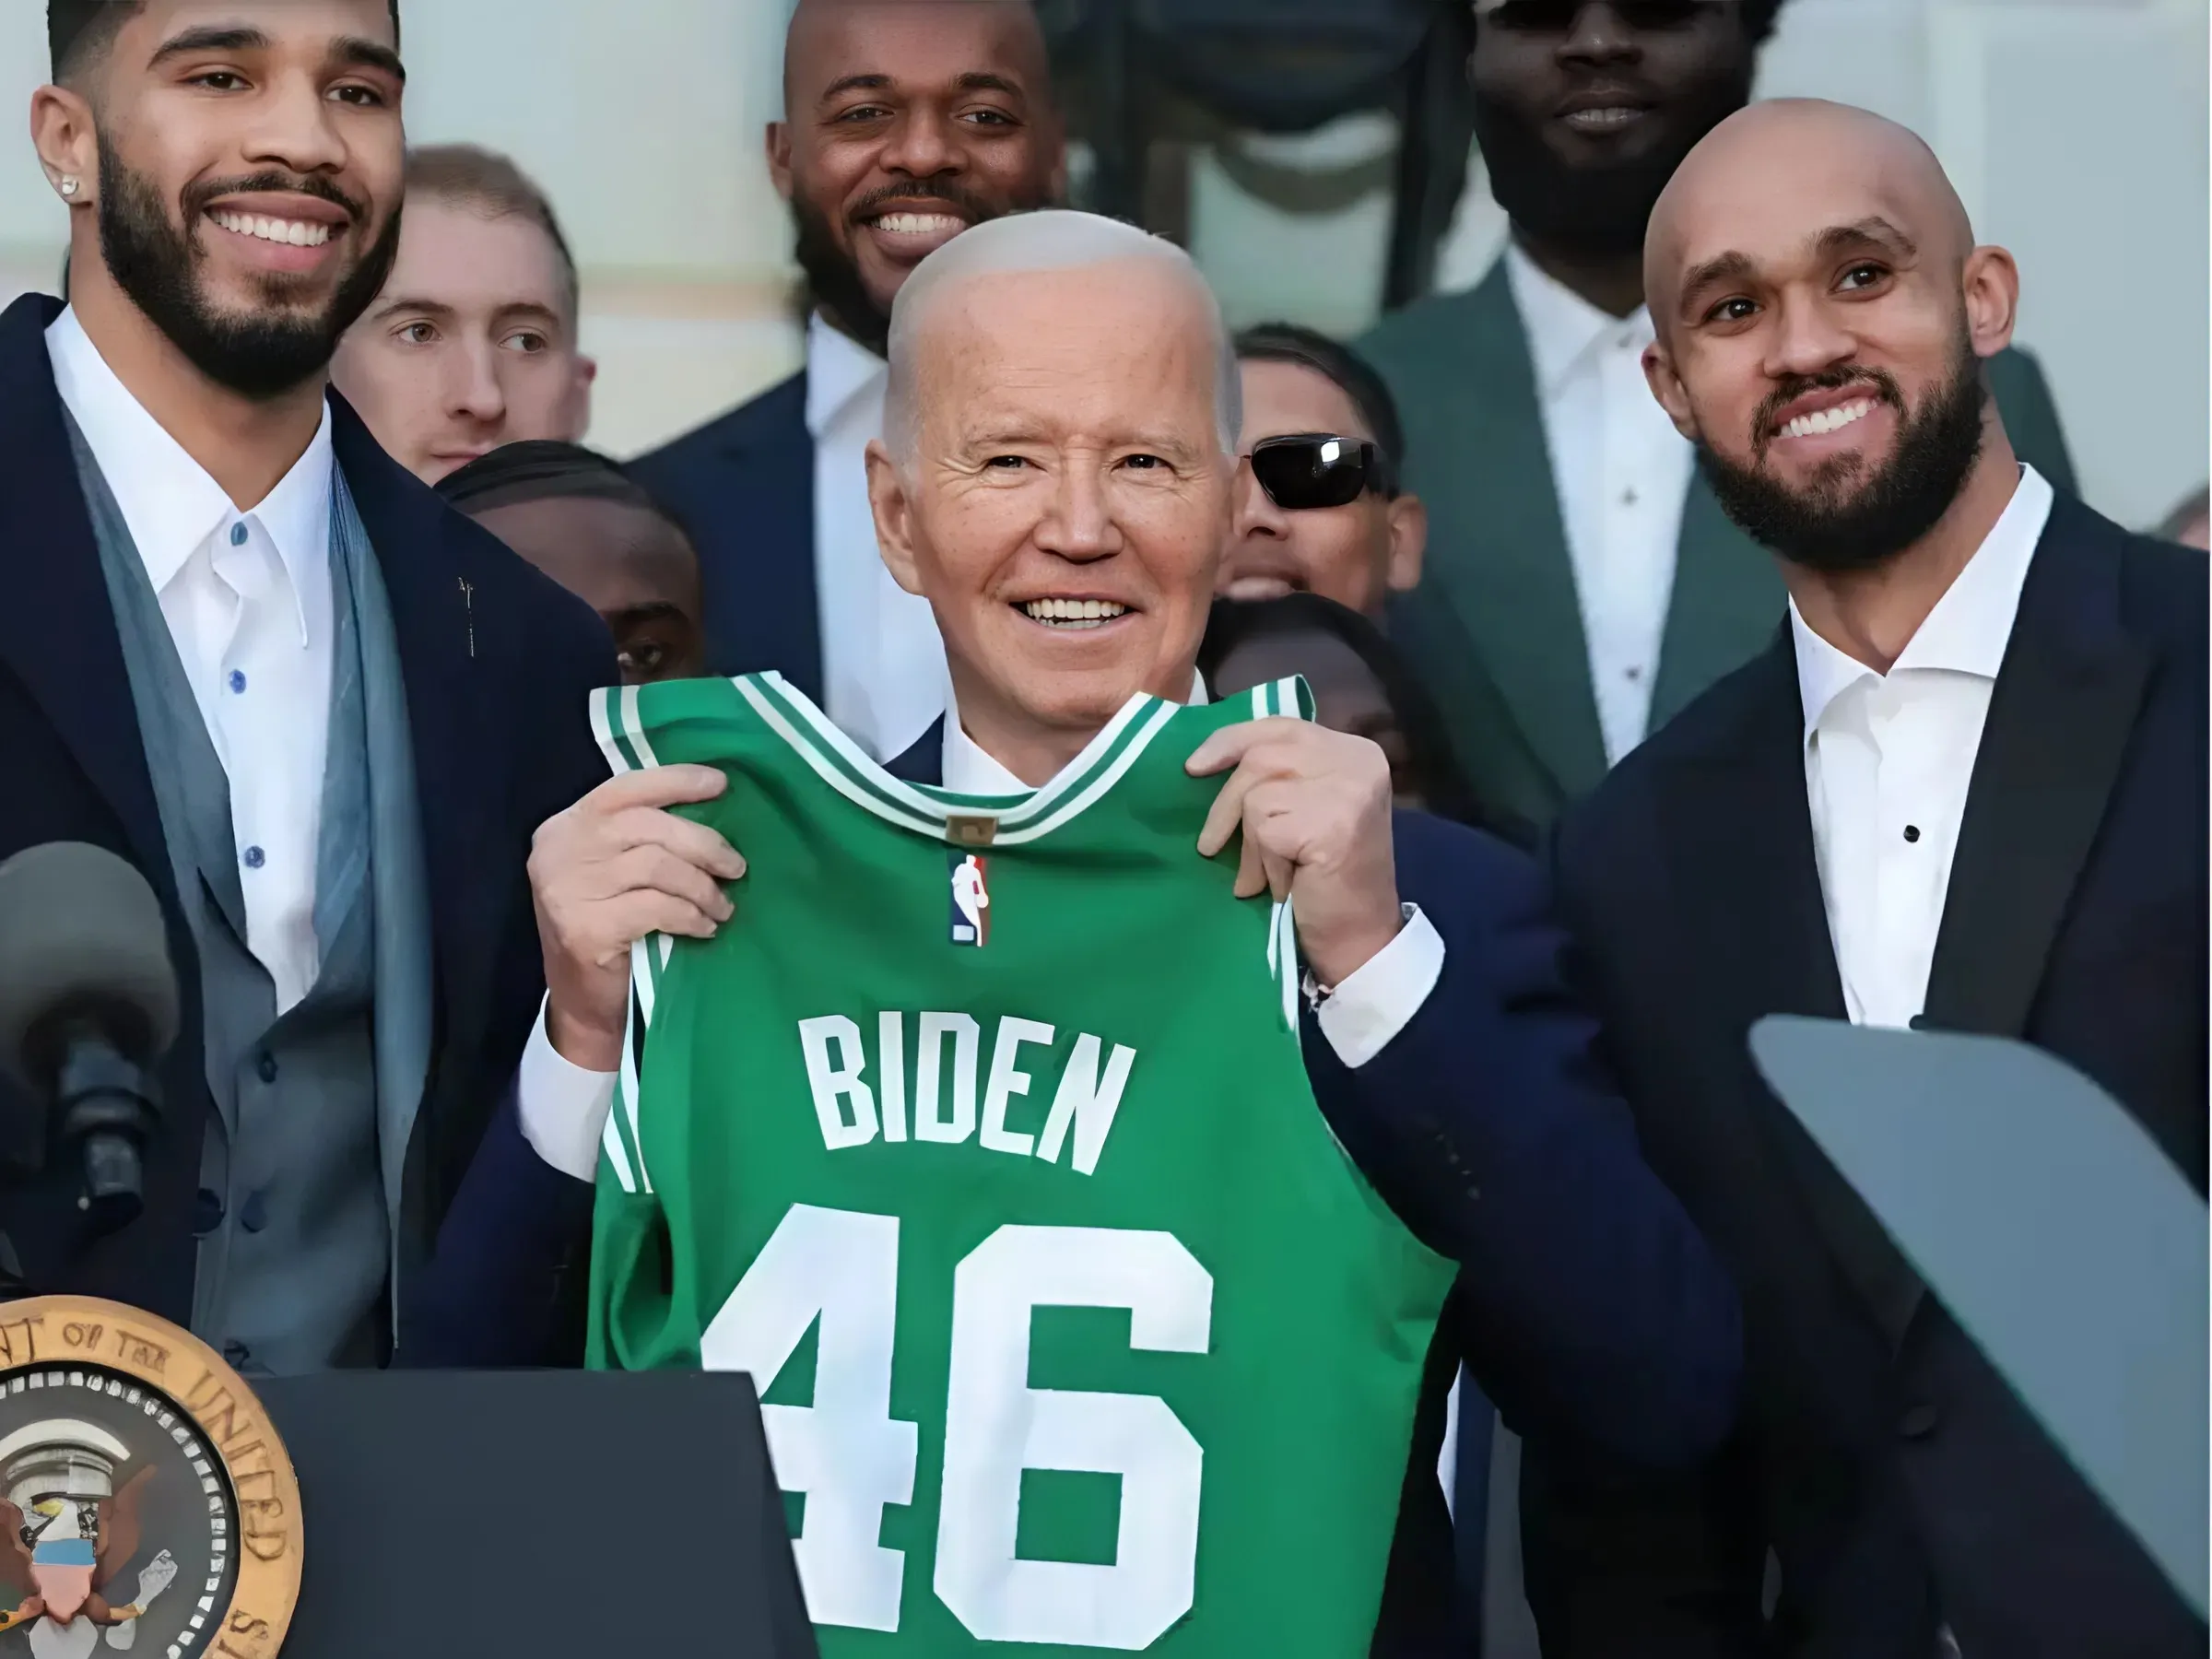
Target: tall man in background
x,y
905,122
1582,583
244,651
473,344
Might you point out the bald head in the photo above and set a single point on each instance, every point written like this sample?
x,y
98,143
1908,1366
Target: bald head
x,y
1071,260
1821,313
1805,149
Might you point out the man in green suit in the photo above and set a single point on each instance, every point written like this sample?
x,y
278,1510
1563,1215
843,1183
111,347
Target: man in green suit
x,y
1582,583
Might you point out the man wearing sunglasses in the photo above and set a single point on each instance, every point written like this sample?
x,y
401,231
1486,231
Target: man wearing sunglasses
x,y
1585,584
1320,510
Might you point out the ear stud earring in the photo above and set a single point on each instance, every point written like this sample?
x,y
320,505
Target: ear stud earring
x,y
68,187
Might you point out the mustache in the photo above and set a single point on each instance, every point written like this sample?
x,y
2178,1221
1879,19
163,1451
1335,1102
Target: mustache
x,y
198,197
923,195
1880,381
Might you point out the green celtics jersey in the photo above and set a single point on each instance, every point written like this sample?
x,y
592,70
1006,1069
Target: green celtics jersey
x,y
981,1138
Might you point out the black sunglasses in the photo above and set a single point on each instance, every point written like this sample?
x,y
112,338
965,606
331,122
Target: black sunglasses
x,y
1317,469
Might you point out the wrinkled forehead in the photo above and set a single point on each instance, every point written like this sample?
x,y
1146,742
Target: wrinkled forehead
x,y
1068,342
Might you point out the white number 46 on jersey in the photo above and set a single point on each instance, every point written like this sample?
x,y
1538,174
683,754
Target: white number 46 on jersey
x,y
850,1457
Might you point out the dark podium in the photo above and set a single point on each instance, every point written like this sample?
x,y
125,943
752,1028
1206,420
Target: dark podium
x,y
453,1515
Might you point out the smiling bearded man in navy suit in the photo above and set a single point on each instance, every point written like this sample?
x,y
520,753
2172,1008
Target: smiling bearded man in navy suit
x,y
905,122
1061,427
248,652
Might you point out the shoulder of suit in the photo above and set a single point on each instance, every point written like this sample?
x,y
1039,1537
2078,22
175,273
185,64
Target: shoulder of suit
x,y
1409,334
2166,589
783,406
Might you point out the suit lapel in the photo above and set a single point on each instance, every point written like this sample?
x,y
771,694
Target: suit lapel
x,y
57,629
923,762
1738,832
1728,598
764,613
450,652
1501,558
2059,720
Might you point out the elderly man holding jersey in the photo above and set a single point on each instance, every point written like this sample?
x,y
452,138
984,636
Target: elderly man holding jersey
x,y
1056,479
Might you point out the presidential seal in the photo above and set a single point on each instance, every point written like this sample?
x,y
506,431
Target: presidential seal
x,y
146,1502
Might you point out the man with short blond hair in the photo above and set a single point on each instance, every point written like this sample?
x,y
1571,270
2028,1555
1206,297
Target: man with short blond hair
x,y
472,343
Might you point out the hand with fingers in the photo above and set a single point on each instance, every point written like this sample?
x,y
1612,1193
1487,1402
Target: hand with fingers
x,y
1314,807
613,868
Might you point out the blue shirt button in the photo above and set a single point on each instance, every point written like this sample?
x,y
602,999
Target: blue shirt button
x,y
238,535
254,1214
267,1067
255,858
207,1213
237,680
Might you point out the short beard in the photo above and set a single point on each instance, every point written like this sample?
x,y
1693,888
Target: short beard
x,y
1598,211
259,354
1847,520
834,282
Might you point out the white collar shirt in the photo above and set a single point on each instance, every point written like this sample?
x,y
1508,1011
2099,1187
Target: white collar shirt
x,y
883,664
247,598
1888,759
1621,472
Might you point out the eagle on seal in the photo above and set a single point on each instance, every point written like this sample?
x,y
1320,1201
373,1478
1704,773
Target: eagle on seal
x,y
66,1529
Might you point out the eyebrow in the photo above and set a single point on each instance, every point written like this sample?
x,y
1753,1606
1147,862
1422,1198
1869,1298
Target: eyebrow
x,y
974,80
1874,230
652,610
1732,266
209,37
370,55
348,48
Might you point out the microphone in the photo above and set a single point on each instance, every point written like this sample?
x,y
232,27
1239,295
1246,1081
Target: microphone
x,y
88,1008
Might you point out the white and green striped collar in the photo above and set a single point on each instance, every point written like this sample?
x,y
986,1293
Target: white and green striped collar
x,y
968,770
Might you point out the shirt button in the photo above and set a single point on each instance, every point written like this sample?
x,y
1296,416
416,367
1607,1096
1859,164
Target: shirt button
x,y
207,1213
266,1068
254,1214
255,858
1628,498
237,680
1634,674
238,535
1911,832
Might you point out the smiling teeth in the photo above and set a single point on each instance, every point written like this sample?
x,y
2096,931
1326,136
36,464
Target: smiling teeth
x,y
919,224
296,234
1828,420
1073,613
1609,115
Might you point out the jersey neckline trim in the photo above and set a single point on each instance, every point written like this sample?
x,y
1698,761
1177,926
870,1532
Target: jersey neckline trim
x,y
928,809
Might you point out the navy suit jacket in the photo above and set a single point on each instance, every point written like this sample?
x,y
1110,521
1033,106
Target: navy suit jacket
x,y
499,664
1894,1476
742,485
1587,1301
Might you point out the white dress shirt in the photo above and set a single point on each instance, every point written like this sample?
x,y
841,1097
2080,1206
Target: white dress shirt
x,y
563,1107
248,599
1888,759
883,665
1622,472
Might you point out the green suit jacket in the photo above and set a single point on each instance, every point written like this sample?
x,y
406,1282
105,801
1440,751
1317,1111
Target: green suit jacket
x,y
1495,627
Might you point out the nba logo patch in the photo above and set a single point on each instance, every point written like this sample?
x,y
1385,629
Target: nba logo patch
x,y
971,899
